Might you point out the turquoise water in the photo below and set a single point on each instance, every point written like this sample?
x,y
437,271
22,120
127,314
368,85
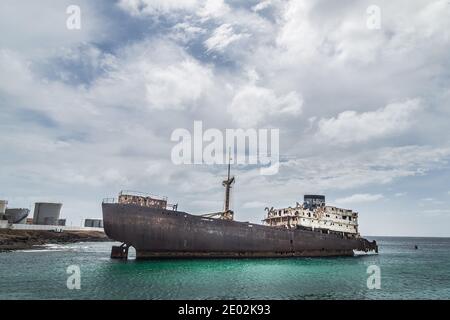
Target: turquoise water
x,y
406,273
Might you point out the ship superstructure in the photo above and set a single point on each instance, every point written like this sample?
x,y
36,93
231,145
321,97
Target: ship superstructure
x,y
144,200
315,215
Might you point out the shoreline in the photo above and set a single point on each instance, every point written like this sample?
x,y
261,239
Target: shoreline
x,y
13,240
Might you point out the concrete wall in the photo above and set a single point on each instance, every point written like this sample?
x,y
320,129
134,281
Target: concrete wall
x,y
47,213
51,228
4,224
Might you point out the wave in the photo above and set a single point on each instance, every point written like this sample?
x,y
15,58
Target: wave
x,y
364,253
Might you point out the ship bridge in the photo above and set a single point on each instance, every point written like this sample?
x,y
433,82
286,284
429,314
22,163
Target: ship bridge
x,y
315,215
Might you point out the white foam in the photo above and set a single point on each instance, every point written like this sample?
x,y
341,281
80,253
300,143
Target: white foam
x,y
364,253
53,247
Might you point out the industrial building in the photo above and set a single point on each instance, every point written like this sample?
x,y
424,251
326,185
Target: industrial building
x,y
3,205
46,213
17,216
13,215
93,223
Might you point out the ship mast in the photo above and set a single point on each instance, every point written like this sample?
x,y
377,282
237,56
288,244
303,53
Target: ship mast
x,y
228,214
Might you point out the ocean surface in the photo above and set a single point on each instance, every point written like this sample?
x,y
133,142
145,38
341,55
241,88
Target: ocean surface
x,y
405,273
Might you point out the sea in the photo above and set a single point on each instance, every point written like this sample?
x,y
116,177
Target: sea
x,y
85,271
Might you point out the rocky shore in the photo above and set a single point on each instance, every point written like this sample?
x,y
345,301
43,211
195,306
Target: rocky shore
x,y
11,240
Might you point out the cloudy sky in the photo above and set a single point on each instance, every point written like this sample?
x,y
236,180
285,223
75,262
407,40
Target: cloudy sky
x,y
363,113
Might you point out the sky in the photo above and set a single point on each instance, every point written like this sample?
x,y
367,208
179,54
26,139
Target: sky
x,y
363,112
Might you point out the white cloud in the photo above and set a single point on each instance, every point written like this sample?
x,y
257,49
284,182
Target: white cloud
x,y
350,126
254,205
189,60
176,86
22,21
222,37
185,32
344,170
437,212
360,198
297,37
252,105
203,9
263,4
212,9
154,76
156,7
148,76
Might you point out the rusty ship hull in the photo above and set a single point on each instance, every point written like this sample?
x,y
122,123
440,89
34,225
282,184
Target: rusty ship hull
x,y
162,233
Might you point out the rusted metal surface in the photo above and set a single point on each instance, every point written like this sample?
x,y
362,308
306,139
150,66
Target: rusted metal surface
x,y
143,201
160,233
